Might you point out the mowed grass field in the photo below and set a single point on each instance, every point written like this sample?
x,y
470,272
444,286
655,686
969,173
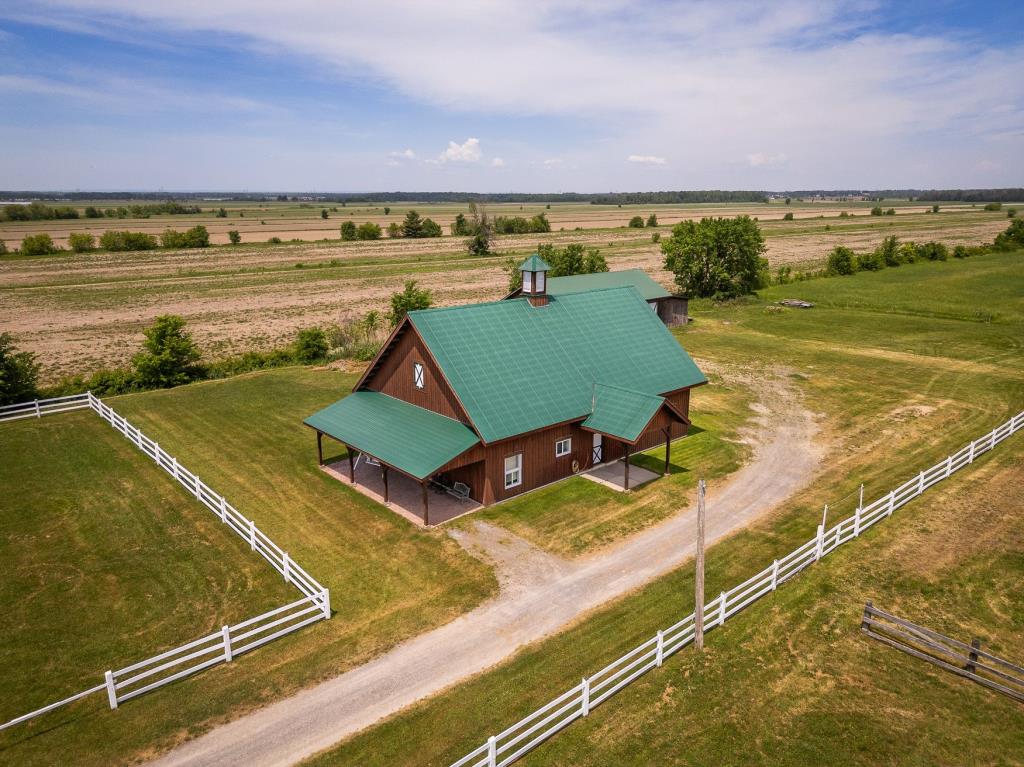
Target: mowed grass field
x,y
903,371
81,312
108,561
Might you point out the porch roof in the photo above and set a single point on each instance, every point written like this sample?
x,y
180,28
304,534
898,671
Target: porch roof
x,y
622,413
409,438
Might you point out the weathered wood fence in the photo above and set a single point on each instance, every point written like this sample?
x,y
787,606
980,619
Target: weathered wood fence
x,y
960,658
230,641
515,741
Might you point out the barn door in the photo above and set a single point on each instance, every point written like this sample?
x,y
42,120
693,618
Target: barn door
x,y
598,456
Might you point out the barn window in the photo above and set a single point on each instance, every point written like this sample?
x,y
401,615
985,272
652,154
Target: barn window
x,y
540,281
527,282
563,447
513,470
417,375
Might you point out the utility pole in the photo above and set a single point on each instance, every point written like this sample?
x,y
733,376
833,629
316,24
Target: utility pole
x,y
698,615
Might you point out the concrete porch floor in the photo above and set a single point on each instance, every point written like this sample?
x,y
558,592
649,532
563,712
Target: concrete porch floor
x,y
613,475
404,494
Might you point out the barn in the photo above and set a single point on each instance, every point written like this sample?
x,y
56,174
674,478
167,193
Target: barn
x,y
672,309
494,399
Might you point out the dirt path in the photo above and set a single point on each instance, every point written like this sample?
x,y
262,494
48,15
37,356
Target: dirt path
x,y
540,595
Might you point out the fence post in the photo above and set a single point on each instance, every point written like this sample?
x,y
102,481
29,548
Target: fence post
x,y
199,493
326,599
993,446
661,647
867,614
252,535
585,697
949,465
975,644
38,413
226,633
156,452
492,752
892,502
721,608
775,574
174,467
223,509
111,690
970,454
820,545
287,569
856,513
920,483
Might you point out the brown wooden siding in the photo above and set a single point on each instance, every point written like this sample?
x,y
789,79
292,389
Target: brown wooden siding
x,y
394,377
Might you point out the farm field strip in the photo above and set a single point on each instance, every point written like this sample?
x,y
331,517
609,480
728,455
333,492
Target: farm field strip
x,y
144,676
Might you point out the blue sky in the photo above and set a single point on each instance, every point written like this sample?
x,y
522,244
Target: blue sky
x,y
527,96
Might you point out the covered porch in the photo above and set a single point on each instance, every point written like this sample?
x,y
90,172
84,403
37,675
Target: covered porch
x,y
620,419
395,454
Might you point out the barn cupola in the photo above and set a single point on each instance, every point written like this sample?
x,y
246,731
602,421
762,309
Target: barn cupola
x,y
535,280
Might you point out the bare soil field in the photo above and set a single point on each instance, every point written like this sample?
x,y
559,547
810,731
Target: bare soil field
x,y
82,312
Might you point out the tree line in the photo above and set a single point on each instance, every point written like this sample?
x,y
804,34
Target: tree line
x,y
37,211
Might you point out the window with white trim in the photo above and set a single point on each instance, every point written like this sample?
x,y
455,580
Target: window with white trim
x,y
527,282
540,281
514,470
417,375
563,447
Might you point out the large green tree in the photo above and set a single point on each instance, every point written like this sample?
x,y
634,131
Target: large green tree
x,y
18,373
410,299
169,356
716,257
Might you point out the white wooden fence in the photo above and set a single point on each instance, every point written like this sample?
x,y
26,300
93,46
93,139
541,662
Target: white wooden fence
x,y
230,641
512,743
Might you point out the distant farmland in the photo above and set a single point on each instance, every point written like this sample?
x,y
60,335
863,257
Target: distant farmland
x,y
81,312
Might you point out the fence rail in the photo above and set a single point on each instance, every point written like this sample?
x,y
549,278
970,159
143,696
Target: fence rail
x,y
230,641
962,659
511,744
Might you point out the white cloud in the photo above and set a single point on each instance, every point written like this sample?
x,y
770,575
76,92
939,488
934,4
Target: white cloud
x,y
553,162
700,77
405,154
646,159
468,151
497,162
765,160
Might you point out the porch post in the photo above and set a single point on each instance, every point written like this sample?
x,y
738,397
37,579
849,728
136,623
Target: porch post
x,y
626,483
668,447
384,475
426,509
320,448
351,465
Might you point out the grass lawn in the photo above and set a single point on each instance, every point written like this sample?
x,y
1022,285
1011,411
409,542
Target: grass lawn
x,y
791,681
244,437
106,561
577,516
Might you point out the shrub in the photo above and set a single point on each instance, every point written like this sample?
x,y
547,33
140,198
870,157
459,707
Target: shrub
x,y
520,225
637,222
310,345
169,356
994,206
19,373
870,262
716,257
93,212
368,231
323,213
38,245
196,237
410,299
656,237
788,216
274,241
3,248
891,212
843,214
961,251
935,208
888,252
394,230
652,220
81,242
222,213
1013,237
431,228
933,251
348,230
120,241
234,236
460,226
1011,212
412,226
387,211
783,276
841,261
358,338
908,253
876,211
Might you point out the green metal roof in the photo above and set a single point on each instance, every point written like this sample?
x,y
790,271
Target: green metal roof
x,y
534,264
578,283
516,367
412,439
622,413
